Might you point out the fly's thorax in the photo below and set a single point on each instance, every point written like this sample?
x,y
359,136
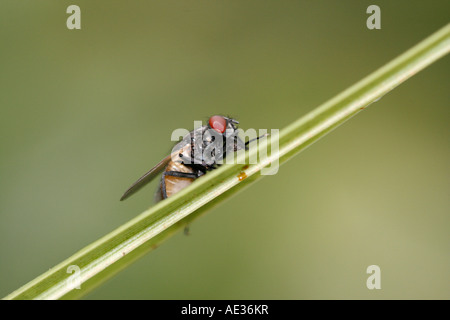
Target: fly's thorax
x,y
208,147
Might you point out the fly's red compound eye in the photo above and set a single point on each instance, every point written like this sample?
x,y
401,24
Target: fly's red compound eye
x,y
218,123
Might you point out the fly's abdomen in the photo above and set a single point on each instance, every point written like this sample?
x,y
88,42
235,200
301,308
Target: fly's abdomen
x,y
173,184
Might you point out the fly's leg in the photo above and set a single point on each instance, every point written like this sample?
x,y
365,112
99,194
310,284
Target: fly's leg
x,y
181,174
163,186
248,142
200,163
174,174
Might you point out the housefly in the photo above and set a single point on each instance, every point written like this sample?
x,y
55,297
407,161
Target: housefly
x,y
196,154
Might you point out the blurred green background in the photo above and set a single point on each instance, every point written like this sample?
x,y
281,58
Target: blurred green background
x,y
86,112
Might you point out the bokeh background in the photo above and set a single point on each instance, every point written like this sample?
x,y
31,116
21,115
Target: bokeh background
x,y
83,113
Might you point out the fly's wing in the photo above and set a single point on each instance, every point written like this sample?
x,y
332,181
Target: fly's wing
x,y
146,178
181,149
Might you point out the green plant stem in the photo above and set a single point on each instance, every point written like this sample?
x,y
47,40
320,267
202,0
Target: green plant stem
x,y
115,251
